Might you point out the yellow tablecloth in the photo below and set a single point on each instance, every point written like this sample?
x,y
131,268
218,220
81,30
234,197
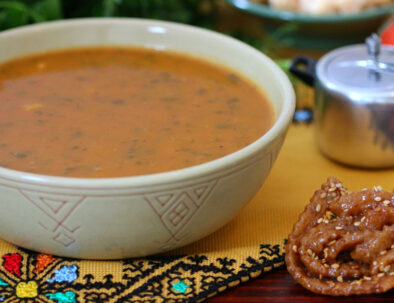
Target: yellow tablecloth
x,y
249,245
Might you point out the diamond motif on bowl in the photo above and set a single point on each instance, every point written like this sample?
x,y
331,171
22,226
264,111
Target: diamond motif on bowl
x,y
64,239
176,208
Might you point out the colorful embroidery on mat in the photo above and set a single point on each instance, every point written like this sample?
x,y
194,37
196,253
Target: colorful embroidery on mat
x,y
67,273
12,263
26,289
42,261
29,277
180,286
67,297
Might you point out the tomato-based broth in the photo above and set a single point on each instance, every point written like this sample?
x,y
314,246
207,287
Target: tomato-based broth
x,y
112,112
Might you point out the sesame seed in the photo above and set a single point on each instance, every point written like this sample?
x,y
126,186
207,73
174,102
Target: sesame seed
x,y
334,195
375,263
323,195
340,279
392,273
310,252
378,199
358,223
331,283
318,207
381,275
294,248
363,219
378,188
338,227
339,185
325,252
364,189
332,242
356,282
335,265
326,221
392,246
367,278
383,252
320,220
320,276
332,189
326,265
377,209
330,214
387,268
386,202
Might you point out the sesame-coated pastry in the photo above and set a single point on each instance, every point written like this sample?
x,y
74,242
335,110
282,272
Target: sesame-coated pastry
x,y
343,243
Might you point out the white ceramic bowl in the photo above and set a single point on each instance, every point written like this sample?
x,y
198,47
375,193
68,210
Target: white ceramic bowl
x,y
136,216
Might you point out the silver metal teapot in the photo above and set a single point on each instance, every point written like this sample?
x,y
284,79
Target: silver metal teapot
x,y
354,102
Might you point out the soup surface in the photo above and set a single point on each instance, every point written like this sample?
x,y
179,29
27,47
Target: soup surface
x,y
112,112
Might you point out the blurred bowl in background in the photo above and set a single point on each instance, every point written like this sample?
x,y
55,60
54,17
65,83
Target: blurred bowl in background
x,y
320,32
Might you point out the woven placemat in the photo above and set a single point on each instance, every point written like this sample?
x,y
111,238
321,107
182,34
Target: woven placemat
x,y
246,247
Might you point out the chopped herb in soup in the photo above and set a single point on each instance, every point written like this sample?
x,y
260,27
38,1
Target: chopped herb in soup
x,y
112,112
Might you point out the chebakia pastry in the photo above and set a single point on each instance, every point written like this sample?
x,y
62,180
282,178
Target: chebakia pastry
x,y
325,6
343,242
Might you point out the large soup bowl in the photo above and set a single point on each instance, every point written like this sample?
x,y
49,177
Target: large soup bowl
x,y
106,218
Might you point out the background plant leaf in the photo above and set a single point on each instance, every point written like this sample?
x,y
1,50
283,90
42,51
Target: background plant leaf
x,y
13,14
48,9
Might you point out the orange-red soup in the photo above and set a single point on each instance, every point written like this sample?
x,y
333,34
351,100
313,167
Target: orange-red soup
x,y
111,112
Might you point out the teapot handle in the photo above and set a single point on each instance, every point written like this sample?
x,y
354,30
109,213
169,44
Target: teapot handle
x,y
304,68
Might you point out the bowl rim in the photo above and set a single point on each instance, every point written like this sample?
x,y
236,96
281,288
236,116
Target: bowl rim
x,y
264,10
280,125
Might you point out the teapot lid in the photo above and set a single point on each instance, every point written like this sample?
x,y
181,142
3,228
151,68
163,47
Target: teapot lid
x,y
366,70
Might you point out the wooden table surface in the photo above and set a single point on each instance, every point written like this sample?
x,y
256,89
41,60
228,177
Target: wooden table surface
x,y
278,286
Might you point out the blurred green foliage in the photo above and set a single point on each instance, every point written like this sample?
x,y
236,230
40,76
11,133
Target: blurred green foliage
x,y
17,13
21,12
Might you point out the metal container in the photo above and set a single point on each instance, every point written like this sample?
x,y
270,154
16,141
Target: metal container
x,y
354,103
